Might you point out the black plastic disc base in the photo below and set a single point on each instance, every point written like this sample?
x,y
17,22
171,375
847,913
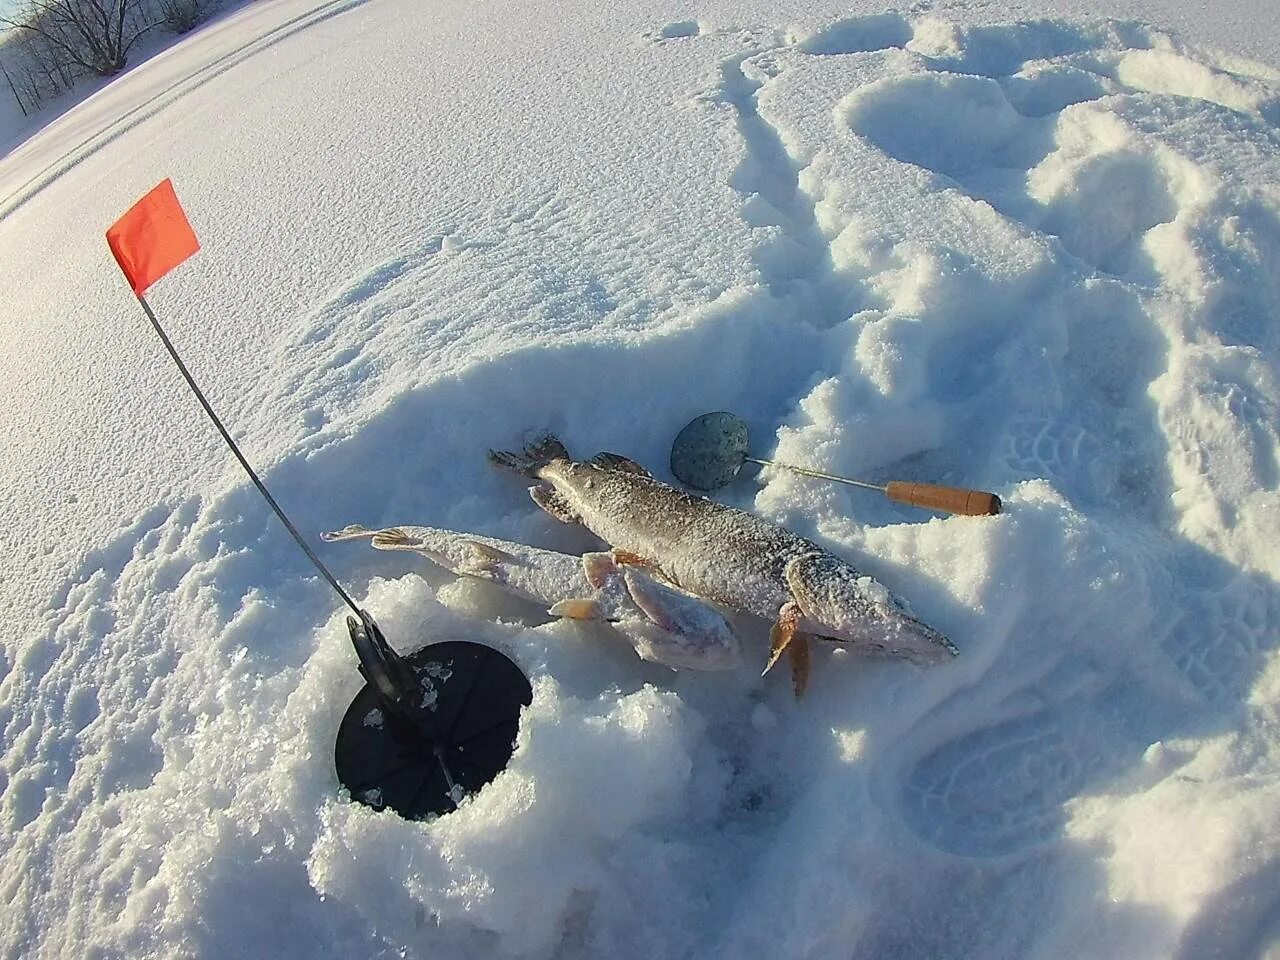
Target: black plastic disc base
x,y
471,697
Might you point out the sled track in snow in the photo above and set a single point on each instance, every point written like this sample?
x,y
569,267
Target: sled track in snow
x,y
153,105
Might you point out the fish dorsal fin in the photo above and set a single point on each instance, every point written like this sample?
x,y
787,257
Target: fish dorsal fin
x,y
616,461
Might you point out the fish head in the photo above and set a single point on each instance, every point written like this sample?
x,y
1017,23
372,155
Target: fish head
x,y
676,628
663,624
604,575
839,602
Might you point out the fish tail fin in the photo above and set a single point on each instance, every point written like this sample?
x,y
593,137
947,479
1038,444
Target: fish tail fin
x,y
533,457
393,538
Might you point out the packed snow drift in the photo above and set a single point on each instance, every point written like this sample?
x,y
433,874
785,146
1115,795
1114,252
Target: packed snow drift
x,y
1038,257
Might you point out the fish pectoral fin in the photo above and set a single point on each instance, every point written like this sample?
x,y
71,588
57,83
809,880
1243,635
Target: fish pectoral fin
x,y
616,461
578,608
480,567
554,503
598,566
798,652
783,632
646,593
485,561
625,558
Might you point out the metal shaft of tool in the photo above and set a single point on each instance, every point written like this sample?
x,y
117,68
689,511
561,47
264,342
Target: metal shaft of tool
x,y
262,487
819,474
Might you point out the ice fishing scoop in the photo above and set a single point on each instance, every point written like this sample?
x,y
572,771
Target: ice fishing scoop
x,y
711,449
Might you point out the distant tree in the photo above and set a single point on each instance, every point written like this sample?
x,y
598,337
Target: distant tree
x,y
13,87
181,15
33,69
95,35
53,43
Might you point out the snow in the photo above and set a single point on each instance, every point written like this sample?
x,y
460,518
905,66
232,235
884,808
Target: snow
x,y
1014,248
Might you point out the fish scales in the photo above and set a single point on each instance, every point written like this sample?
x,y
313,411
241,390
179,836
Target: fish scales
x,y
528,572
726,555
715,551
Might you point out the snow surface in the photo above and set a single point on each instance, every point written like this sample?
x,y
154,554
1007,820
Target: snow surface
x,y
951,243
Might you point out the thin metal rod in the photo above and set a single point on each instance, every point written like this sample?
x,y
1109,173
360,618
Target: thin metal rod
x,y
818,473
262,487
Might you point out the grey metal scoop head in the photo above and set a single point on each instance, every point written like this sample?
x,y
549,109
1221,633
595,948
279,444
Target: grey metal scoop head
x,y
709,451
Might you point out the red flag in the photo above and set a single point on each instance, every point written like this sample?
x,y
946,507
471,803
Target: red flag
x,y
152,238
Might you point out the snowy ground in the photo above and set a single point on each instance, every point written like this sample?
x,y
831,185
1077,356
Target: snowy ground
x,y
1039,257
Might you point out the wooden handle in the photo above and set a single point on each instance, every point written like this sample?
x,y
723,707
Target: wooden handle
x,y
969,503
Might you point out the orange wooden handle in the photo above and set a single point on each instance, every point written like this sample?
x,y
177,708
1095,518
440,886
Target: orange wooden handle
x,y
969,503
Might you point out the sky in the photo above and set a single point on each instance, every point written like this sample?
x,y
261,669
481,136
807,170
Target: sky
x,y
432,230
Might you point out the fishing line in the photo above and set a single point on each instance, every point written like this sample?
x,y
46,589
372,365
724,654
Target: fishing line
x,y
257,481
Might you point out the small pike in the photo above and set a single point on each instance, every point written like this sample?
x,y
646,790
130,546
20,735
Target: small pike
x,y
726,555
663,624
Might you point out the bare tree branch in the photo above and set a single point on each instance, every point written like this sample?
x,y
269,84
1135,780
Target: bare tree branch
x,y
9,80
95,35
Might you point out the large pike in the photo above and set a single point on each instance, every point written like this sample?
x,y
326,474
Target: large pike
x,y
726,555
663,624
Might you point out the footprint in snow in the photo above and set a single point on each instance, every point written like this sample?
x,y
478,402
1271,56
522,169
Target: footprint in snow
x,y
1076,172
1221,641
998,789
1002,788
675,30
1061,451
879,31
1062,145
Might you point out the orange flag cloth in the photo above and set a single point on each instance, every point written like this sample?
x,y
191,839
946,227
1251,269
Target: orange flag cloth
x,y
152,238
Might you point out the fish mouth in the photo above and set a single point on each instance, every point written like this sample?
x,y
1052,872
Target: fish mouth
x,y
906,637
898,637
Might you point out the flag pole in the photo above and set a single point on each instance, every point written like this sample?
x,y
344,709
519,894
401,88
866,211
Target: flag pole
x,y
150,239
262,487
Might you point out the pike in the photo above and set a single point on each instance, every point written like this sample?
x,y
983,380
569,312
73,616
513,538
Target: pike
x,y
727,556
662,624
